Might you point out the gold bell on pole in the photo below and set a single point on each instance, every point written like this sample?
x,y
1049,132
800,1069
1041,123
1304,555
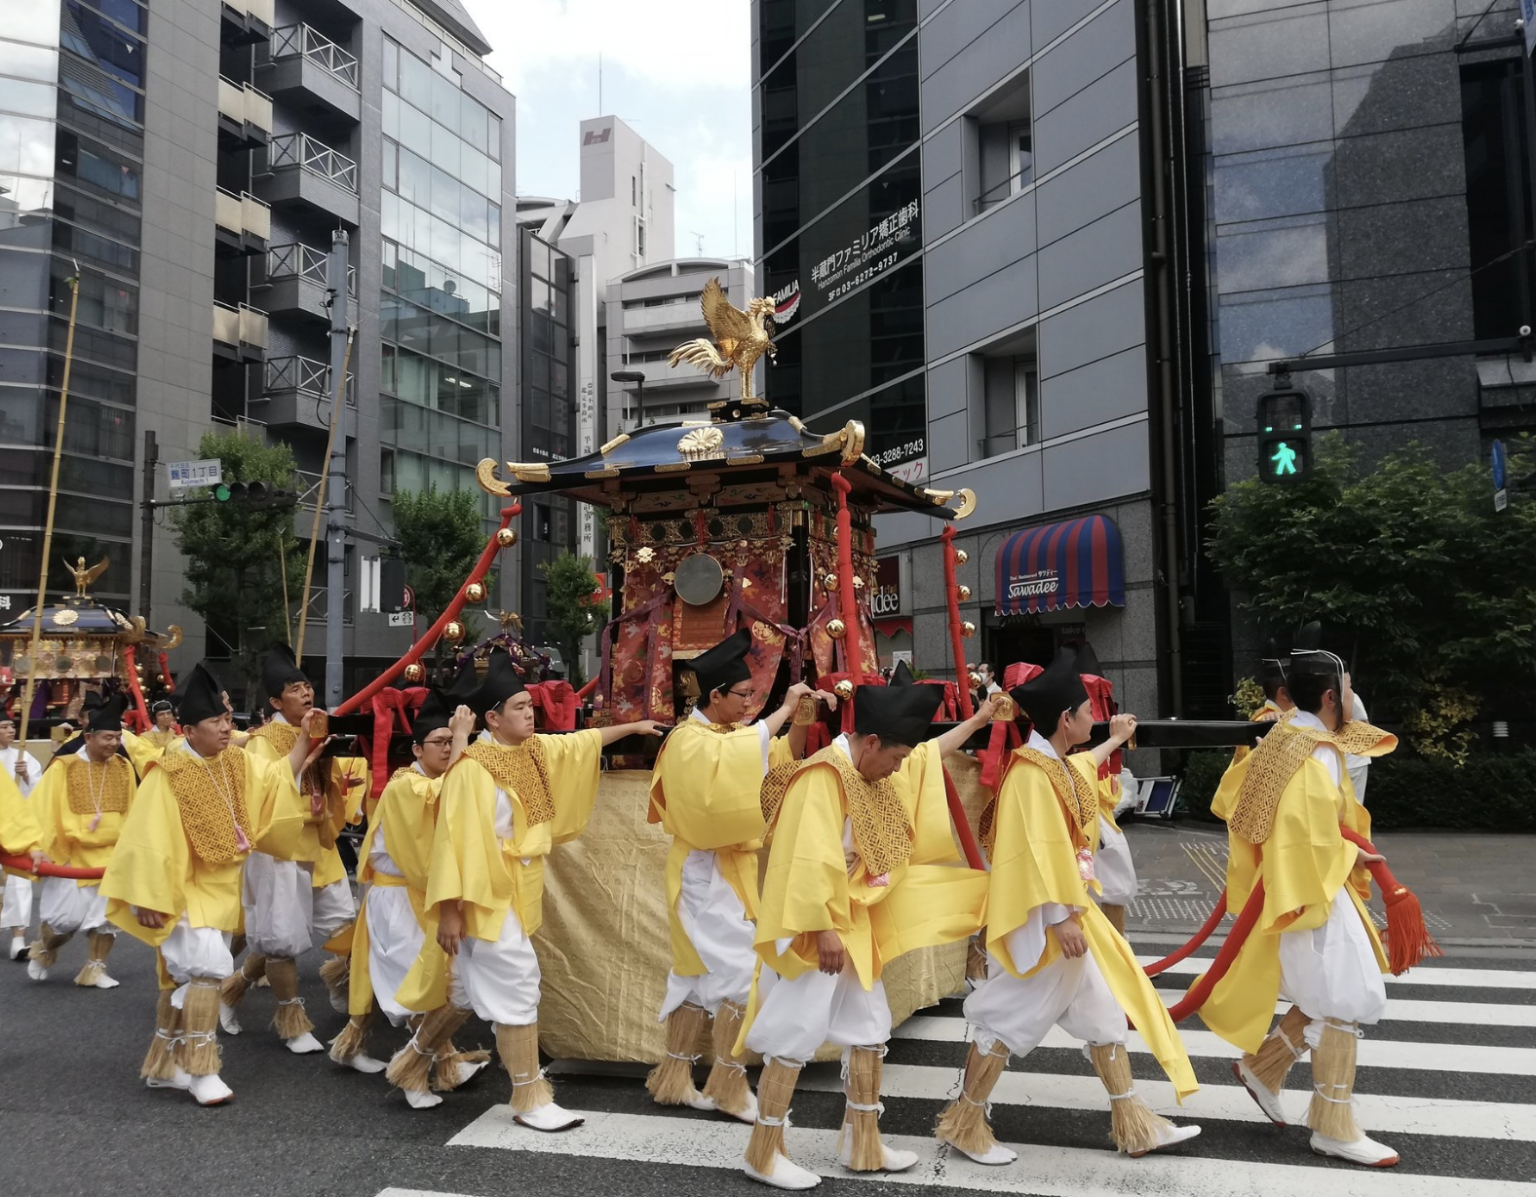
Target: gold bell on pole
x,y
454,632
961,556
474,593
506,538
967,629
843,689
414,673
836,628
963,591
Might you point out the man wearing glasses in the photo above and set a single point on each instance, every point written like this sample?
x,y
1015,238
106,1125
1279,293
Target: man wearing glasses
x,y
706,792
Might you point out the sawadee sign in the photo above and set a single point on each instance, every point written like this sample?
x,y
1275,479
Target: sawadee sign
x,y
1041,582
886,600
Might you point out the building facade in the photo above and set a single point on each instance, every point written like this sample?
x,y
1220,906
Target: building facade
x,y
223,144
968,219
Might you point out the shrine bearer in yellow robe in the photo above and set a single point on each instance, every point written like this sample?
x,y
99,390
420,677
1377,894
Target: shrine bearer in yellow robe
x,y
80,805
863,868
292,905
504,806
174,877
164,733
1054,958
1285,804
23,770
391,927
706,792
19,832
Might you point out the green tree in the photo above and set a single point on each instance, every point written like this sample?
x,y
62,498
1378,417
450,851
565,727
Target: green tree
x,y
1411,559
570,592
235,553
441,535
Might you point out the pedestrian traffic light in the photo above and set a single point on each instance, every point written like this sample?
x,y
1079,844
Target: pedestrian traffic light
x,y
1285,436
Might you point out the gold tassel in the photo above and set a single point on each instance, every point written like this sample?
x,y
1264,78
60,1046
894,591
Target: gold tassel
x,y
353,1038
964,1123
1116,916
232,992
862,1090
46,949
411,1066
976,957
519,1051
671,1081
1332,1113
775,1090
337,975
1280,1051
1133,1127
160,1062
727,1085
451,1068
198,1052
289,1019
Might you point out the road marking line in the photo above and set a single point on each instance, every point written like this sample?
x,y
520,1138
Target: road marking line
x,y
1471,978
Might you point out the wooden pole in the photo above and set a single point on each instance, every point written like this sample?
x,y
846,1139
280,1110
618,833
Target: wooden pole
x,y
314,535
282,565
73,281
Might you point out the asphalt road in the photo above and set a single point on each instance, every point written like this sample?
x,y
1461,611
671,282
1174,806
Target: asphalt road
x,y
77,1120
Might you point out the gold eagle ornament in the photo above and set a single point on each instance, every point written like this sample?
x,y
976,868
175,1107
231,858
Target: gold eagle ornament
x,y
742,337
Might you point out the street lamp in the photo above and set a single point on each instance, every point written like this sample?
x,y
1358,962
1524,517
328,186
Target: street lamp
x,y
638,379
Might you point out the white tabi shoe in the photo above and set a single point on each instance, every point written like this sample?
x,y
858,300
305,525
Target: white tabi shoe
x,y
180,1080
302,1045
422,1099
697,1101
362,1062
1169,1136
891,1160
993,1157
467,1071
748,1115
549,1117
1273,1104
103,981
210,1090
229,1020
1362,1151
786,1174
36,971
18,947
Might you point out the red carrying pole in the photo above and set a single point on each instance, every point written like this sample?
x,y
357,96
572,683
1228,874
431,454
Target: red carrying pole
x,y
418,650
1201,989
23,864
1218,912
962,824
956,647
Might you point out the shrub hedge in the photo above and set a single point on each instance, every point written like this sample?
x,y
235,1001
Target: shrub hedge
x,y
1488,793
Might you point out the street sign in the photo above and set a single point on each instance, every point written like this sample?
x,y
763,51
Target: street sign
x,y
185,474
401,619
1500,492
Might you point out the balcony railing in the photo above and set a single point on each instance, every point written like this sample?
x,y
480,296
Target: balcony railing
x,y
239,326
309,491
300,41
242,213
243,103
302,261
306,153
306,376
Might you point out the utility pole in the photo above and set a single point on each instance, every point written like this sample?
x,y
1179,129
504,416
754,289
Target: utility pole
x,y
147,524
336,493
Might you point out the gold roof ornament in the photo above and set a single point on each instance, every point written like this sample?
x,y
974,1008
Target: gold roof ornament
x,y
84,575
740,338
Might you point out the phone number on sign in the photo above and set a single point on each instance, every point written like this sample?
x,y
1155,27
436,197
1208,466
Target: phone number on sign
x,y
862,276
899,453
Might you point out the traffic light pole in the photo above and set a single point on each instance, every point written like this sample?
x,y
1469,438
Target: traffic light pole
x,y
336,494
147,525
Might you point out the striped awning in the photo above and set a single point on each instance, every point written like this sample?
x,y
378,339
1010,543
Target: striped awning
x,y
1074,563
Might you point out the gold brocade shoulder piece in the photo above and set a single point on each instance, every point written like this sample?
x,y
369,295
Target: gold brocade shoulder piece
x,y
160,739
112,782
1276,760
881,831
1081,801
205,813
775,786
282,735
522,771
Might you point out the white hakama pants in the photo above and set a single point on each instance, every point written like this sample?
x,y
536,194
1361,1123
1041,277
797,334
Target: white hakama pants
x,y
279,906
716,923
498,981
1021,1010
333,907
190,952
394,940
1113,866
794,1018
67,907
1330,972
16,908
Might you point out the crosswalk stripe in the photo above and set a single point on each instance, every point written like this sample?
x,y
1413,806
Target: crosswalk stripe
x,y
1374,1053
1484,1014
1470,978
1041,1171
1380,1113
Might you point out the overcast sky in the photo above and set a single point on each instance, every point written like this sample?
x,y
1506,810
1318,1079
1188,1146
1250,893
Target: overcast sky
x,y
677,71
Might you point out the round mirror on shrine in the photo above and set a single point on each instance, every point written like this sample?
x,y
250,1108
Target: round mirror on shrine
x,y
699,579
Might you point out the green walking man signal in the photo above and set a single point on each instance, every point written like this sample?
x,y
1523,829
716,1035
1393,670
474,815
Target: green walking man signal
x,y
1285,436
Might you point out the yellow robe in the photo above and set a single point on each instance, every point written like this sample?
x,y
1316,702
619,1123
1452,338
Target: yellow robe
x,y
19,832
68,837
343,804
706,792
407,813
489,876
141,750
1302,864
154,867
1034,862
932,899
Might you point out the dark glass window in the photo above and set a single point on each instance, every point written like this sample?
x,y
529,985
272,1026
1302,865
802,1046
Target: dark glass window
x,y
1495,143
